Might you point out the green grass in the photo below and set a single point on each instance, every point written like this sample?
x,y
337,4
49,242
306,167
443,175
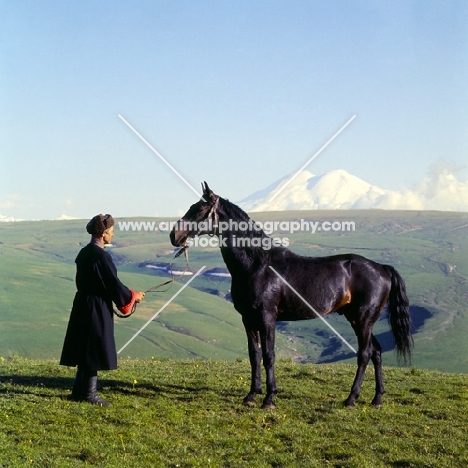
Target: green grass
x,y
188,413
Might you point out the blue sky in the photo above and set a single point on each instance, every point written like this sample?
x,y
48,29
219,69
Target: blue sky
x,y
237,93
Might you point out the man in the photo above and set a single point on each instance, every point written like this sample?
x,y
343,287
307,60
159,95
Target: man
x,y
89,341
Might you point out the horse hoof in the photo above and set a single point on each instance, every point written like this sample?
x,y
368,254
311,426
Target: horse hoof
x,y
249,403
377,402
268,406
350,406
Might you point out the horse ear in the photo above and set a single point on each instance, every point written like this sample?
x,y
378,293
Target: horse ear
x,y
206,189
207,192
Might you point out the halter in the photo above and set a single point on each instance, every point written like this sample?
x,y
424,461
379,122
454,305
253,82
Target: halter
x,y
213,213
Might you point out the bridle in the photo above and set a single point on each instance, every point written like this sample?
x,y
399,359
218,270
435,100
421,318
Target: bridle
x,y
213,214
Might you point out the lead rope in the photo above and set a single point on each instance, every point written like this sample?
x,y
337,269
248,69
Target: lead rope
x,y
213,213
170,282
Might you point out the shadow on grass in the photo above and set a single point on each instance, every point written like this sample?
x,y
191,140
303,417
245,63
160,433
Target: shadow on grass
x,y
60,387
418,315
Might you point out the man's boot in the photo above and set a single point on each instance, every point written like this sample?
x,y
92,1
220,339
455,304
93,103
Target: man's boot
x,y
90,390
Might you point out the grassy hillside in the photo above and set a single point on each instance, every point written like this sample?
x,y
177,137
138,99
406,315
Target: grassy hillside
x,y
168,413
429,249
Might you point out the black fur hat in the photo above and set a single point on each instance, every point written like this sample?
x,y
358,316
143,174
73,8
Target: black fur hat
x,y
99,224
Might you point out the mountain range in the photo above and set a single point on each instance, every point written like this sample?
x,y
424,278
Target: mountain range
x,y
12,219
440,190
338,189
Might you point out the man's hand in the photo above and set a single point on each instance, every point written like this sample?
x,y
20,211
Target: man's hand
x,y
139,296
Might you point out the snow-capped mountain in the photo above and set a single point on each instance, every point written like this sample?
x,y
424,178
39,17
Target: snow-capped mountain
x,y
338,189
8,219
12,219
334,190
65,217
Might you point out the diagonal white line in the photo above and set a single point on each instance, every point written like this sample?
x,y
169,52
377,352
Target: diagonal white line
x,y
312,158
161,309
160,157
313,310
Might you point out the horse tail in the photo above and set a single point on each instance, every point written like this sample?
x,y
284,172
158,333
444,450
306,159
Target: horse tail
x,y
398,315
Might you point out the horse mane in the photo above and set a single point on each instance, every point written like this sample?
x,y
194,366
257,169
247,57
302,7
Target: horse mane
x,y
237,214
234,211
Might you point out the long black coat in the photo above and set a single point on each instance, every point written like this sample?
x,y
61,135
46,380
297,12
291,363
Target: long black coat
x,y
89,341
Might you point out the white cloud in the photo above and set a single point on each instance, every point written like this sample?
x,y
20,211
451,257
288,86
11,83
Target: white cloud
x,y
439,190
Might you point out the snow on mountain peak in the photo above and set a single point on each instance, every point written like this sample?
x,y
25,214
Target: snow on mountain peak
x,y
8,219
337,189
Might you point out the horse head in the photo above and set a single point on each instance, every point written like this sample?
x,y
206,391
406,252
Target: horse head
x,y
201,218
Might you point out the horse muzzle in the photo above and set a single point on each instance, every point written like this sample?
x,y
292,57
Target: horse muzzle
x,y
178,238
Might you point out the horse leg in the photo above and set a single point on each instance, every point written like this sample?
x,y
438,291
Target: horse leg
x,y
255,356
268,350
364,354
377,361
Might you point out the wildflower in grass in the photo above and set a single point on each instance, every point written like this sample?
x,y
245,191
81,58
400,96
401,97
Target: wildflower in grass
x,y
134,383
121,441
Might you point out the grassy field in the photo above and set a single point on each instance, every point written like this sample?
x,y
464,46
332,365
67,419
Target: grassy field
x,y
429,249
188,413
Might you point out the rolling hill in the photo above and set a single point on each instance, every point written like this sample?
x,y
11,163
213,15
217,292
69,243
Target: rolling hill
x,y
429,249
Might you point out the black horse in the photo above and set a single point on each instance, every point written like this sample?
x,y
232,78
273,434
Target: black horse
x,y
354,286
